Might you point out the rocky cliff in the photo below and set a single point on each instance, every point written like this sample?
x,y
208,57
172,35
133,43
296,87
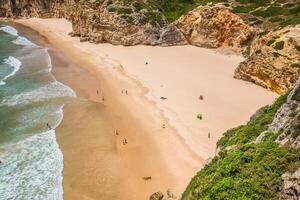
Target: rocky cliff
x,y
274,60
33,8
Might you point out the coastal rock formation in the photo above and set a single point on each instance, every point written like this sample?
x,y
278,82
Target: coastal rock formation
x,y
287,120
116,23
157,196
214,27
291,186
274,61
33,8
204,26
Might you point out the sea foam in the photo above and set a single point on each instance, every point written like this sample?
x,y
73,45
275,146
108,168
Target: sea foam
x,y
15,64
10,30
23,41
31,169
50,91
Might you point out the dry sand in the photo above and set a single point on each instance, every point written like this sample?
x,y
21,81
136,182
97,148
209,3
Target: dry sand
x,y
170,155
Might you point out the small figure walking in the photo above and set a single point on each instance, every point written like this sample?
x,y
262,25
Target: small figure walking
x,y
97,92
48,126
164,126
122,91
126,92
117,132
102,98
208,135
125,141
146,63
200,97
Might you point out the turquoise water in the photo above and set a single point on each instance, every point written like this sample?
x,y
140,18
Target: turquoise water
x,y
30,98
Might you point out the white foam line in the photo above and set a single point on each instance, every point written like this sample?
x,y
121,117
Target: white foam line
x,y
23,41
13,62
10,30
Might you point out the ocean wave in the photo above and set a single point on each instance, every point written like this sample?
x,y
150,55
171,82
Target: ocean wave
x,y
13,62
10,30
32,168
46,92
23,41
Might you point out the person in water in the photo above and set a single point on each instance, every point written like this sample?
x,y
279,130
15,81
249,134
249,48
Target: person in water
x,y
48,126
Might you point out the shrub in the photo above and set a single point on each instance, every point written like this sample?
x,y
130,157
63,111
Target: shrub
x,y
279,45
270,42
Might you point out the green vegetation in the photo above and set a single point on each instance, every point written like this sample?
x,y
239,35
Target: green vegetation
x,y
245,170
270,42
279,45
298,48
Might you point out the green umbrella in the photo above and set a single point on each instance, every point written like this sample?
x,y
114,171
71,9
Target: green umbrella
x,y
199,116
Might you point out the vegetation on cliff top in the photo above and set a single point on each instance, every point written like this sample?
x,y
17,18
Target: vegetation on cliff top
x,y
279,12
244,169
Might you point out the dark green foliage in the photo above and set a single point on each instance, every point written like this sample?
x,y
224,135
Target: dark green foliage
x,y
248,171
292,21
270,42
279,45
298,48
124,10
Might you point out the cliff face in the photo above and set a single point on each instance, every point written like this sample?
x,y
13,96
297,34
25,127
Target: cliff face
x,y
274,61
32,8
204,26
215,27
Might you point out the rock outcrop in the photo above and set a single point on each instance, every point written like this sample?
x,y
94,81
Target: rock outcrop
x,y
214,27
274,61
287,120
33,8
291,186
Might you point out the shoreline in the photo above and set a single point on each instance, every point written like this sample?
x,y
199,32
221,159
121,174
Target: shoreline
x,y
125,112
150,165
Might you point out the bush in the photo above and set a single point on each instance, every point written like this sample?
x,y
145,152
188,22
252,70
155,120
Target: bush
x,y
279,45
270,42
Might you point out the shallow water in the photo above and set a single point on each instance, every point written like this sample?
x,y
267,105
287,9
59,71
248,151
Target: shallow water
x,y
31,107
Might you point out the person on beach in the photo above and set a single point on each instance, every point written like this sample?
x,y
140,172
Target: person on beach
x,y
200,97
97,92
117,132
125,141
126,92
208,135
164,126
102,98
146,63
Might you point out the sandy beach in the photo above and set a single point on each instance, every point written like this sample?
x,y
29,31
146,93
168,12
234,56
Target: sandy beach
x,y
157,116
